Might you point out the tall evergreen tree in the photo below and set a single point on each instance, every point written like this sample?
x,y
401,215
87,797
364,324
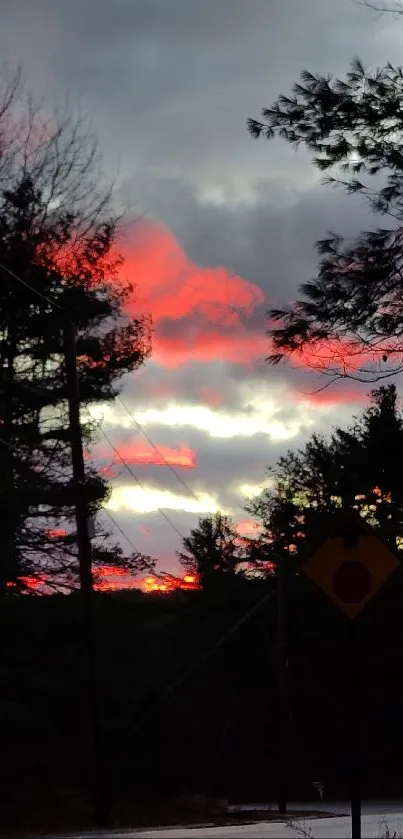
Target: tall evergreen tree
x,y
211,550
349,318
219,555
58,260
359,467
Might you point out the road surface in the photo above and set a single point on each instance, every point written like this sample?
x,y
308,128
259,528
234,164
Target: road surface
x,y
378,820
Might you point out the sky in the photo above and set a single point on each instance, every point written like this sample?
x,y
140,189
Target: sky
x,y
220,227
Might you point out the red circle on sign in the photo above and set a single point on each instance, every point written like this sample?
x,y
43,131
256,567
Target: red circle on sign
x,y
352,581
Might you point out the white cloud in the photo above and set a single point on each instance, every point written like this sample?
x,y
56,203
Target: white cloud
x,y
149,499
257,416
253,490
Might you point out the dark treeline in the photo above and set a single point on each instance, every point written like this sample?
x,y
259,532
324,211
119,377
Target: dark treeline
x,y
189,682
185,715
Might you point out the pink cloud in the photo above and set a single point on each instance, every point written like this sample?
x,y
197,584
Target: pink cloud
x,y
212,304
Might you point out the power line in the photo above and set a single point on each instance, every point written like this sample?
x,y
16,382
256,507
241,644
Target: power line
x,y
9,445
120,529
14,448
215,647
139,482
112,518
32,288
173,687
156,449
126,465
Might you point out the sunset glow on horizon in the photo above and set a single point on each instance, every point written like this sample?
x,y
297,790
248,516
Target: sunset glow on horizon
x,y
201,315
112,578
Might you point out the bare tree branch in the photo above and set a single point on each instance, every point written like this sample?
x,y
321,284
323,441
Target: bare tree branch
x,y
395,8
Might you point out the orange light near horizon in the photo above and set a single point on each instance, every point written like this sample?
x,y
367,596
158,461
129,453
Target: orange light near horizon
x,y
32,582
29,582
113,585
113,578
152,584
110,570
168,584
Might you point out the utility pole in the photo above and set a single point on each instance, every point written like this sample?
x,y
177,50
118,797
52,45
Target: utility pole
x,y
282,693
8,495
9,499
99,803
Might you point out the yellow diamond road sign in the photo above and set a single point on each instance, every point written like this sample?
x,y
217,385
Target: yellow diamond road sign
x,y
352,565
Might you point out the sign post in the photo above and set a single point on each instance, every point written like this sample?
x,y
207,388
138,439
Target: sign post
x,y
351,566
355,739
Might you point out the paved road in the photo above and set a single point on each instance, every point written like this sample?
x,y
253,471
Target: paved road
x,y
379,820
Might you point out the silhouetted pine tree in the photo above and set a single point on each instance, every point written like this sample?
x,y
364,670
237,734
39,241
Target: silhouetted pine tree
x,y
57,234
350,316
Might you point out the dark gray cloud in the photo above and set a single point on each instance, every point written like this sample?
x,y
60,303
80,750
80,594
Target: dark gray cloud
x,y
270,241
170,84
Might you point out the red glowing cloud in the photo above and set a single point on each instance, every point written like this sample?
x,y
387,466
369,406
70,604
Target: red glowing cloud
x,y
240,347
210,396
335,354
140,453
57,533
172,286
212,304
333,396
